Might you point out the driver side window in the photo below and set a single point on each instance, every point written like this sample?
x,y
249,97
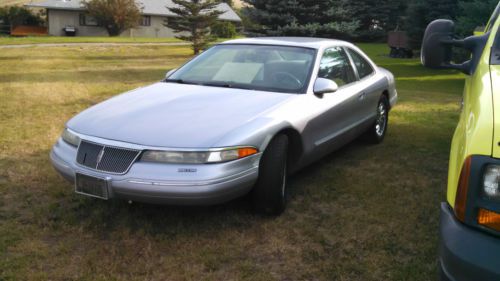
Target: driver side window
x,y
335,66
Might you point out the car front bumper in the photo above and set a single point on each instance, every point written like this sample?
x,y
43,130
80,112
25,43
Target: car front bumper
x,y
466,254
156,183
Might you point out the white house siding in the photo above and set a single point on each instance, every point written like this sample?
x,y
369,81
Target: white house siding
x,y
157,29
58,19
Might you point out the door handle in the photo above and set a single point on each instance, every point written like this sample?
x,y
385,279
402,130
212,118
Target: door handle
x,y
362,96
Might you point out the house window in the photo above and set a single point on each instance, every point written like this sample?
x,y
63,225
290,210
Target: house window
x,y
145,21
87,20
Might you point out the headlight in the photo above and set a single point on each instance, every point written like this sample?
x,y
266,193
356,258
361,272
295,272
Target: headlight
x,y
202,157
70,137
491,179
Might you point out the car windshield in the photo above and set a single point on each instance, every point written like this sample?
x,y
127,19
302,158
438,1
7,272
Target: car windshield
x,y
255,67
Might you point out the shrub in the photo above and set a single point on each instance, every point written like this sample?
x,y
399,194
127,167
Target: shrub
x,y
114,15
224,29
16,15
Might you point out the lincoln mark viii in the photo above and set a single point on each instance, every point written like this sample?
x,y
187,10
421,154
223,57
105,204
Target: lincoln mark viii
x,y
235,120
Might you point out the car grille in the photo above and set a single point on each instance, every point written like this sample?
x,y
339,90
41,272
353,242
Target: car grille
x,y
105,158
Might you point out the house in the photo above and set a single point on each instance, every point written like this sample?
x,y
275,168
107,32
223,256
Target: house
x,y
70,13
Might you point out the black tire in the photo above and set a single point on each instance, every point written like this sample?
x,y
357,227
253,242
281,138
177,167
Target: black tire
x,y
378,129
269,195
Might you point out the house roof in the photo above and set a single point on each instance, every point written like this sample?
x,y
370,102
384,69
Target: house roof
x,y
149,7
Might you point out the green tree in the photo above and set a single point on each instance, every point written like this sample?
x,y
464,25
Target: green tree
x,y
269,15
376,17
16,15
327,18
114,15
194,20
421,12
473,14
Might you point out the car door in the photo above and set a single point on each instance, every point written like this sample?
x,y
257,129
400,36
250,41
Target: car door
x,y
338,111
369,86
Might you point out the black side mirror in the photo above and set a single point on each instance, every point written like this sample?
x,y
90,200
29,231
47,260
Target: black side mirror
x,y
434,53
437,46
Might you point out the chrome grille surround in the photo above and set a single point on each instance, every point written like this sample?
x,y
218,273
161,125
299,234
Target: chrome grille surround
x,y
105,158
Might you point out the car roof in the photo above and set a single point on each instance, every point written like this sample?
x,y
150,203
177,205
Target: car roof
x,y
307,42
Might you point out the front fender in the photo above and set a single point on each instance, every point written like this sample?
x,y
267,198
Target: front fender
x,y
257,133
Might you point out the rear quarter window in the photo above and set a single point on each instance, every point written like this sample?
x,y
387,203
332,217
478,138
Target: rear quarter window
x,y
364,68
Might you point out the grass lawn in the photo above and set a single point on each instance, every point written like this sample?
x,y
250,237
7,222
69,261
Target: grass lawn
x,y
6,40
362,213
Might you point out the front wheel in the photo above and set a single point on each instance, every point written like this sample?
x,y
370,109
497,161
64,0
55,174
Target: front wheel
x,y
378,129
270,193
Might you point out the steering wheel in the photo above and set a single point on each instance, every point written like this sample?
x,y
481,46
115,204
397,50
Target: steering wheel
x,y
288,79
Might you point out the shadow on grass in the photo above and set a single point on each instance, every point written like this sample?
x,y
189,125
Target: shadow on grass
x,y
102,217
435,85
416,70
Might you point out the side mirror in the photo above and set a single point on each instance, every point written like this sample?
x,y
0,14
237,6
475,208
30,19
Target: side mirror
x,y
434,53
324,86
170,72
437,46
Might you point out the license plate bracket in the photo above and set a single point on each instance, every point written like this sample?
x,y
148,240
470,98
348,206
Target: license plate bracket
x,y
91,186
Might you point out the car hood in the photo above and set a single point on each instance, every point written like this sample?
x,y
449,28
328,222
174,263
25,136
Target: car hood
x,y
175,115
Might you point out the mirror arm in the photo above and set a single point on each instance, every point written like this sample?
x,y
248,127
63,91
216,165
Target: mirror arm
x,y
470,43
473,44
463,67
460,43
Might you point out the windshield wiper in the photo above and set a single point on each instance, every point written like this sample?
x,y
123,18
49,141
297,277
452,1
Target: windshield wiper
x,y
225,85
180,81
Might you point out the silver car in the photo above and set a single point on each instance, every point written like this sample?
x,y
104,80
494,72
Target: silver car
x,y
238,118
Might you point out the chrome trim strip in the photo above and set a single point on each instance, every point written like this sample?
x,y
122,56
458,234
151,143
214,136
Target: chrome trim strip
x,y
196,183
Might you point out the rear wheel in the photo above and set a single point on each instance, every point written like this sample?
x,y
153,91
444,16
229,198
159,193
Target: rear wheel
x,y
378,129
270,193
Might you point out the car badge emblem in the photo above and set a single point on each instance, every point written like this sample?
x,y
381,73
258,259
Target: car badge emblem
x,y
99,156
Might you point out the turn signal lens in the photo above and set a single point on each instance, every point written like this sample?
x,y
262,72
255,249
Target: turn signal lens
x,y
246,151
489,219
463,186
231,154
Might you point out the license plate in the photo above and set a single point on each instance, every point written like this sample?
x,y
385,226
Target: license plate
x,y
91,186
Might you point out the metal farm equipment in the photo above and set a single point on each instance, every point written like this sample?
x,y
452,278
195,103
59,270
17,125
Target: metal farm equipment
x,y
398,42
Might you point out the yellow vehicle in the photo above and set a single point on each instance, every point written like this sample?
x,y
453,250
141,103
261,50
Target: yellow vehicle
x,y
470,217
